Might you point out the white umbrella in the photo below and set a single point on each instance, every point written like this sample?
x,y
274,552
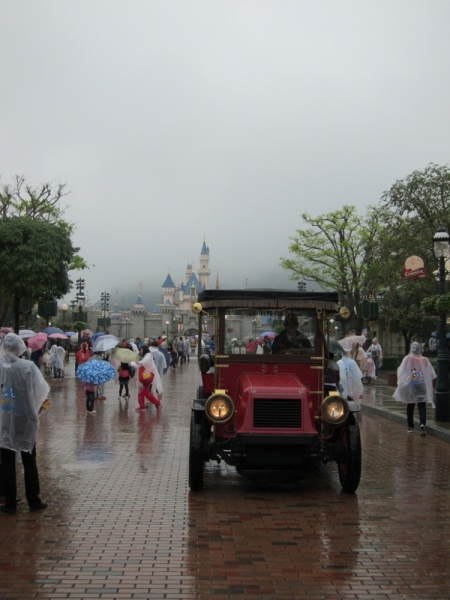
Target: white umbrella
x,y
26,333
348,341
104,343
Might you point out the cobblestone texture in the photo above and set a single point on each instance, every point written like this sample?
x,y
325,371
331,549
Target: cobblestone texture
x,y
121,523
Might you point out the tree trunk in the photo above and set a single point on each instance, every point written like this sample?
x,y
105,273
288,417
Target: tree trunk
x,y
407,337
16,314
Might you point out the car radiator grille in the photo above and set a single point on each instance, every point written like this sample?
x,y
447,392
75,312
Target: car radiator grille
x,y
277,413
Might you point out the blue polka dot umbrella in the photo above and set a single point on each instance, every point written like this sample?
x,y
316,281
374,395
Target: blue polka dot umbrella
x,y
96,371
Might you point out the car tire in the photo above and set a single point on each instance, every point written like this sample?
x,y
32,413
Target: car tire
x,y
196,467
349,467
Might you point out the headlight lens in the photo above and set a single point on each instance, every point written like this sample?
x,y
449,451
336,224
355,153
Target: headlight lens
x,y
219,408
334,410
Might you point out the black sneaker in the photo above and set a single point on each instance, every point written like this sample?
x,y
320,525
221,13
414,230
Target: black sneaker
x,y
410,429
39,506
9,511
422,430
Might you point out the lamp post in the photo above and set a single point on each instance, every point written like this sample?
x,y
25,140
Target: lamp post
x,y
167,329
442,398
80,301
64,309
301,285
80,284
104,304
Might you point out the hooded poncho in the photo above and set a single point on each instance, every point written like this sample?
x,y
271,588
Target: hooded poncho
x,y
415,378
350,378
23,390
148,363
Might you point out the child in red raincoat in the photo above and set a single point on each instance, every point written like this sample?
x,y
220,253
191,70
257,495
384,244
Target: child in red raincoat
x,y
147,375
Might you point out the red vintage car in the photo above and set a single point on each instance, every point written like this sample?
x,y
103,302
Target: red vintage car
x,y
261,405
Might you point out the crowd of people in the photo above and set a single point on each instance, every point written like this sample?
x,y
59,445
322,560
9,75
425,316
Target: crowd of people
x,y
24,390
24,395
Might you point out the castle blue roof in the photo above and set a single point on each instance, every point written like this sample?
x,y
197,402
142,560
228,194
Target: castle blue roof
x,y
116,313
156,309
168,282
192,281
205,249
167,302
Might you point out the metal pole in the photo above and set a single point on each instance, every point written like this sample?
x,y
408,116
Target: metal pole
x,y
442,398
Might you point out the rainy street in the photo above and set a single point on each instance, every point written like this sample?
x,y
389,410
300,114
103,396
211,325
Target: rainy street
x,y
121,522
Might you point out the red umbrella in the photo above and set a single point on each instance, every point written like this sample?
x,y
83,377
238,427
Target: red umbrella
x,y
58,336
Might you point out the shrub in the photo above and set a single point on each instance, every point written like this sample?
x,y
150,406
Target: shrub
x,y
391,363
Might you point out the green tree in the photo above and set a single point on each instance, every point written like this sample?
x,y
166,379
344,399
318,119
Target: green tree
x,y
410,213
43,203
399,299
35,258
335,253
20,199
423,198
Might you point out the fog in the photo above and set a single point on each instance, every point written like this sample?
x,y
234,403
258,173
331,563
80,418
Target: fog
x,y
178,122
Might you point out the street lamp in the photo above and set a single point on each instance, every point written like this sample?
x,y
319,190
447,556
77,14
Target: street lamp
x,y
301,285
64,309
167,329
80,301
104,304
442,399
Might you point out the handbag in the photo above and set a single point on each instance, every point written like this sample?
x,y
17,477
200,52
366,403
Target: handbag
x,y
145,376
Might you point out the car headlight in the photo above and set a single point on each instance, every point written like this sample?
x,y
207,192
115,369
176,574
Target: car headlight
x,y
334,409
219,408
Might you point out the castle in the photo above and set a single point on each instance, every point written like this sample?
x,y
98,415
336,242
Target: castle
x,y
173,315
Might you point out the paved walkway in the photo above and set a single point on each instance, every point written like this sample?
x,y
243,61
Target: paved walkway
x,y
378,399
121,523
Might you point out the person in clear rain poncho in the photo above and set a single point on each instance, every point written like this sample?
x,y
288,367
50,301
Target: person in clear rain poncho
x,y
350,379
415,377
23,391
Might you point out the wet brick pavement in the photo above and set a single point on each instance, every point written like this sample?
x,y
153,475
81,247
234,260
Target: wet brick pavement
x,y
122,524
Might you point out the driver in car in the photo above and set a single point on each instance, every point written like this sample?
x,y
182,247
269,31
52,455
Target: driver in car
x,y
290,340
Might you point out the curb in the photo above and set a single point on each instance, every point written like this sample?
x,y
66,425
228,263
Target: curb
x,y
433,430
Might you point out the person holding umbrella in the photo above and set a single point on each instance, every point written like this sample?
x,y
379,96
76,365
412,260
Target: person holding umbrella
x,y
93,373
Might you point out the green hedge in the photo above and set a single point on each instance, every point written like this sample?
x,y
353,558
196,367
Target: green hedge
x,y
391,363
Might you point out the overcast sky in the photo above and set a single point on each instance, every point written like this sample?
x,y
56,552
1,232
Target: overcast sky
x,y
174,122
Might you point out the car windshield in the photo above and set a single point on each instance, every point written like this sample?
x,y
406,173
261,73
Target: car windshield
x,y
259,332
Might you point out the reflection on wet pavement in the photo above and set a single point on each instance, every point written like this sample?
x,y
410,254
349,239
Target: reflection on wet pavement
x,y
122,524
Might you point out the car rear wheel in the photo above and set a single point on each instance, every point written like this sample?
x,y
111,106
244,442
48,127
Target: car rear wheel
x,y
195,456
349,467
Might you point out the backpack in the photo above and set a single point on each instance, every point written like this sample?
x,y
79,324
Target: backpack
x,y
124,374
374,351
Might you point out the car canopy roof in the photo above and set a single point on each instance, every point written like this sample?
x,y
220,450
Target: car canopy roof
x,y
268,298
